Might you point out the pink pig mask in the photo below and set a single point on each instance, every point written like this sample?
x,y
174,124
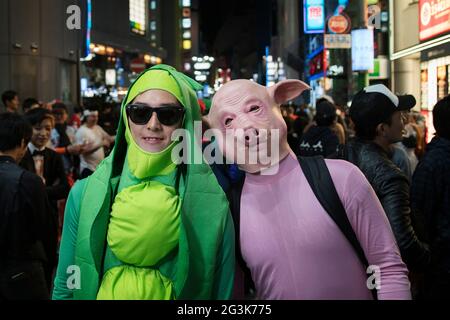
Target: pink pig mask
x,y
248,122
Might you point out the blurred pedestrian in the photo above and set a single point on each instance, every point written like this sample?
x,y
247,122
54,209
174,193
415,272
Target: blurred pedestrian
x,y
75,119
27,223
108,120
43,161
11,101
321,139
430,199
63,140
30,103
94,139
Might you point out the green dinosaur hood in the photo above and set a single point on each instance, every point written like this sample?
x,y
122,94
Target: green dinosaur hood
x,y
195,257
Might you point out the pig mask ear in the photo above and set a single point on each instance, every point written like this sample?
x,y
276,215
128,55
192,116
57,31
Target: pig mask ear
x,y
287,90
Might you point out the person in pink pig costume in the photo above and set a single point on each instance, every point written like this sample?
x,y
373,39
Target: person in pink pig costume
x,y
291,246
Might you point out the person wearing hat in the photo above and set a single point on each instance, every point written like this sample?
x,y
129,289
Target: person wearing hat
x,y
376,113
320,139
144,226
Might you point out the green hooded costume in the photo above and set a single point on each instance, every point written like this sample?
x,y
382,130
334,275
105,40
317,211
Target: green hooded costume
x,y
142,227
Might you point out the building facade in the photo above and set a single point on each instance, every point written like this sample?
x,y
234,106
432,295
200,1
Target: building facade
x,y
39,53
420,52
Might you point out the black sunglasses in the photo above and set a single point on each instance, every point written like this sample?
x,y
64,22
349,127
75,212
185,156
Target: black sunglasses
x,y
168,115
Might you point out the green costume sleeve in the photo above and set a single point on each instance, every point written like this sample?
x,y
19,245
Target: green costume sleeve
x,y
68,243
224,277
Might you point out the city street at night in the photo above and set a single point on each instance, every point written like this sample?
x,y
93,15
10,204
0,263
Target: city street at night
x,y
225,150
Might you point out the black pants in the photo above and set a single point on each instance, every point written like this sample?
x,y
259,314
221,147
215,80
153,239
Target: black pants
x,y
23,280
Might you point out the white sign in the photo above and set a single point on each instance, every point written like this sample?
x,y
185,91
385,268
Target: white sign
x,y
110,77
202,66
362,50
338,41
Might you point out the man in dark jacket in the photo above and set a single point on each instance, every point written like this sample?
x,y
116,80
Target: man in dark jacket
x,y
43,161
321,139
27,225
430,199
377,115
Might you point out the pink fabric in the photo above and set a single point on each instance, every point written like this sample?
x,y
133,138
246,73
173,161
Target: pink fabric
x,y
295,251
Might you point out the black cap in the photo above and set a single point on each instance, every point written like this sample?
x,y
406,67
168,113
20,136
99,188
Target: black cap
x,y
375,104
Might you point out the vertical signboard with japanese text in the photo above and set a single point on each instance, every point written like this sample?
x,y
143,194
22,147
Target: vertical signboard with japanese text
x,y
314,16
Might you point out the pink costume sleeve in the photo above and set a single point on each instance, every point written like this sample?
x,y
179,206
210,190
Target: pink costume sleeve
x,y
374,232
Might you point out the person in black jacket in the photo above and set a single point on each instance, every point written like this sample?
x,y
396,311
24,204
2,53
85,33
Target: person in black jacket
x,y
430,199
377,116
43,161
27,224
321,139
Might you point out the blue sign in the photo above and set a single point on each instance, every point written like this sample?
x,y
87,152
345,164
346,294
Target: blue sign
x,y
314,16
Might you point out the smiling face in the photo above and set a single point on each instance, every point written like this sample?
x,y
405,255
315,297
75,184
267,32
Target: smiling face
x,y
247,114
41,133
154,136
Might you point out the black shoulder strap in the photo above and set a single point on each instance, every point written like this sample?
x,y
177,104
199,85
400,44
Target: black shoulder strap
x,y
319,178
234,198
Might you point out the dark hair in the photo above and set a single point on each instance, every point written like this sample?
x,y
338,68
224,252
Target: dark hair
x,y
325,113
59,106
8,96
78,110
369,131
13,129
324,121
441,117
36,116
28,103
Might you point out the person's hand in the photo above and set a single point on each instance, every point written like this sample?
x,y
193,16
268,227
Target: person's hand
x,y
74,149
106,143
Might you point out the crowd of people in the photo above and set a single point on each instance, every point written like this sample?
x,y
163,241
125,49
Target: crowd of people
x,y
78,188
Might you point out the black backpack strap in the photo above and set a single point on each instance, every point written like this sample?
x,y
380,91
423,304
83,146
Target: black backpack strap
x,y
319,178
234,197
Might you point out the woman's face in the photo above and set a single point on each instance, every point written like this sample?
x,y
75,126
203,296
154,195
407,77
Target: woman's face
x,y
154,136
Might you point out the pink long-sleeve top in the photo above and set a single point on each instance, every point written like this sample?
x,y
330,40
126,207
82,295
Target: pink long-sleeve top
x,y
294,249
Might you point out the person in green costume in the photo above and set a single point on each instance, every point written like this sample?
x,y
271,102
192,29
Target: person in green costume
x,y
142,226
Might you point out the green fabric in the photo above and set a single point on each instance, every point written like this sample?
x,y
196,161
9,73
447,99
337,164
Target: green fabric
x,y
156,79
144,223
145,217
202,267
144,164
130,283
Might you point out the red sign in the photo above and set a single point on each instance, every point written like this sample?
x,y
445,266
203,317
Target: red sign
x,y
434,18
138,65
338,24
317,65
